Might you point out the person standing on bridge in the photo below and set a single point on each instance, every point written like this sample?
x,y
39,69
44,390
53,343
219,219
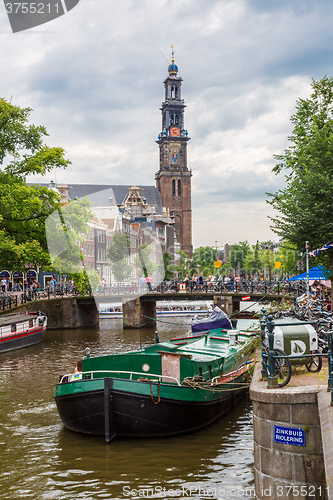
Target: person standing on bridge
x,y
143,284
201,282
148,280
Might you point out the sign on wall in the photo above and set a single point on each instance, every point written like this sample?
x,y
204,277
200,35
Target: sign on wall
x,y
289,435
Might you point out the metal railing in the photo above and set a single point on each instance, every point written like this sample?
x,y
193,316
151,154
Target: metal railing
x,y
131,373
206,286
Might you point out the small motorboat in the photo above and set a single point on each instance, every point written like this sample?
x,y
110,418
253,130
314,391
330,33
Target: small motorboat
x,y
216,319
21,330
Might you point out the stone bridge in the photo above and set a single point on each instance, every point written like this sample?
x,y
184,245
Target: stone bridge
x,y
138,310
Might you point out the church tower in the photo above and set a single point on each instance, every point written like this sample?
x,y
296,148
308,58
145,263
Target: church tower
x,y
173,179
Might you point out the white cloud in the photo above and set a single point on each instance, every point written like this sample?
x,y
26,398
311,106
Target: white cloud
x,y
94,78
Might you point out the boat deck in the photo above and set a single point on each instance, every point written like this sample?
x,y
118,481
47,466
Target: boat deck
x,y
211,345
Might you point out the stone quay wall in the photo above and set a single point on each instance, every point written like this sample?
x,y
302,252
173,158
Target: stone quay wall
x,y
69,312
287,471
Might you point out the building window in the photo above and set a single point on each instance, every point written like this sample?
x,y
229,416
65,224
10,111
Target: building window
x,y
179,188
173,188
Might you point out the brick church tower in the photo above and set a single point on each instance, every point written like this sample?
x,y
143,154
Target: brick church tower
x,y
173,179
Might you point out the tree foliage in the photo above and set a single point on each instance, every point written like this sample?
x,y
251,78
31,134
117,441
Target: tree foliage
x,y
238,253
24,208
305,205
181,267
203,259
64,232
169,269
118,253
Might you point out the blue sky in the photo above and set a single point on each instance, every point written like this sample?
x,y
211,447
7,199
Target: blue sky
x,y
94,78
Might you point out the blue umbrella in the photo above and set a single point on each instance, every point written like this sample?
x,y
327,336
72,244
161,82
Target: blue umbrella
x,y
315,273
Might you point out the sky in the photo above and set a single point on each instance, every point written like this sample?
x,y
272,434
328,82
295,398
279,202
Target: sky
x,y
94,78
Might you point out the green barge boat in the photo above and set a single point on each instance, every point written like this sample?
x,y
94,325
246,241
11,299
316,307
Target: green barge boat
x,y
166,389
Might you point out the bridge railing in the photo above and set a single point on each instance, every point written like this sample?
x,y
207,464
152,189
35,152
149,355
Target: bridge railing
x,y
233,286
206,286
9,300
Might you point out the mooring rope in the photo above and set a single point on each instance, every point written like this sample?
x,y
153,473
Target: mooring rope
x,y
204,385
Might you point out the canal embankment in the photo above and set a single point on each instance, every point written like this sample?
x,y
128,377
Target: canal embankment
x,y
63,313
293,437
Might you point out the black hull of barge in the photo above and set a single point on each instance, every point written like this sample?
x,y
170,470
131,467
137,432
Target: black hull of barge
x,y
24,340
132,415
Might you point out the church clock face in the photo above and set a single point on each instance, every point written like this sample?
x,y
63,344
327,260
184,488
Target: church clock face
x,y
174,132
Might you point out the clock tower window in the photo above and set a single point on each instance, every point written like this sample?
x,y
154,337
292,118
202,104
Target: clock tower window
x,y
179,188
173,188
174,119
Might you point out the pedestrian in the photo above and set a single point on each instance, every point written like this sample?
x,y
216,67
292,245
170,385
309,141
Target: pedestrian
x,y
148,281
143,284
201,281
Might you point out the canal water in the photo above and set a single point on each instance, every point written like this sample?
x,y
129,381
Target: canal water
x,y
39,459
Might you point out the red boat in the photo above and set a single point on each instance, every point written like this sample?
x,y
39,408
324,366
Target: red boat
x,y
21,330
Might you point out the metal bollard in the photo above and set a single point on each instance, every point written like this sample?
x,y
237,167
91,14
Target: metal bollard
x,y
272,379
263,324
330,364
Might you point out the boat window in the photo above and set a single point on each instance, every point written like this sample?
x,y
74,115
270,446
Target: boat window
x,y
200,371
210,371
31,323
13,328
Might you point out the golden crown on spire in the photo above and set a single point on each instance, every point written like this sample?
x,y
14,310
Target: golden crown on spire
x,y
173,68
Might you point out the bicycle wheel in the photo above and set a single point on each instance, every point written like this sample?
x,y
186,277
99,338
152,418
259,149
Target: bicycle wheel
x,y
282,368
315,364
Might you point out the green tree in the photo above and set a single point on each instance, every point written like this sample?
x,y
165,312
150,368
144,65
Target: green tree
x,y
117,253
169,268
64,232
237,255
288,255
24,208
253,262
181,267
145,264
204,259
304,206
